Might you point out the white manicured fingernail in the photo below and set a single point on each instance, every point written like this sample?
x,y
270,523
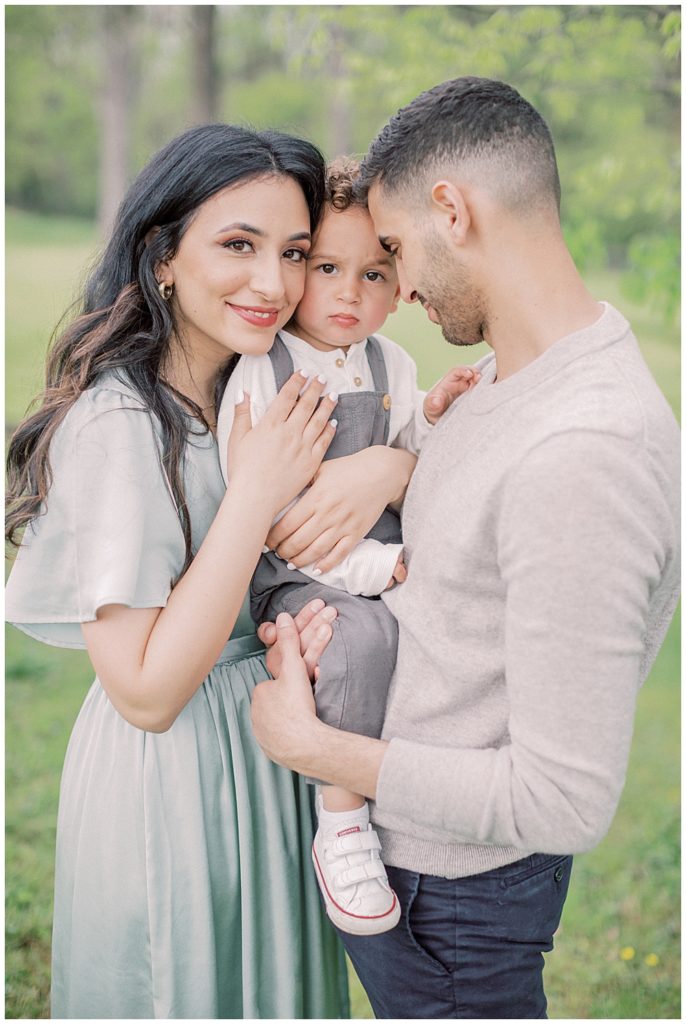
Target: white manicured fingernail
x,y
265,549
316,572
333,395
334,423
239,397
289,565
302,373
322,380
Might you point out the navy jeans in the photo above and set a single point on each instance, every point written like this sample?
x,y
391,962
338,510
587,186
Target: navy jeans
x,y
465,947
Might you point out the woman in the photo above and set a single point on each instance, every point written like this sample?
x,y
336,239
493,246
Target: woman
x,y
181,881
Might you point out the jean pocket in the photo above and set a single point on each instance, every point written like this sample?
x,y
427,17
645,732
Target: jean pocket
x,y
430,923
536,864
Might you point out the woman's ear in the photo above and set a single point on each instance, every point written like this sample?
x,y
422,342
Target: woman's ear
x,y
449,201
162,269
152,233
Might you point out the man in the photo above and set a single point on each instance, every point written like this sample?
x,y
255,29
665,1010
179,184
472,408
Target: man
x,y
541,535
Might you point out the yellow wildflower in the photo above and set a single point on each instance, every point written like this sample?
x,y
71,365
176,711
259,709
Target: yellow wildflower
x,y
652,960
627,953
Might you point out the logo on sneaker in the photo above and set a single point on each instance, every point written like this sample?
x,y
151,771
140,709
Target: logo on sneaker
x,y
347,831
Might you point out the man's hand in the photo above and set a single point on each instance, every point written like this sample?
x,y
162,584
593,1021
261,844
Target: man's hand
x,y
284,718
442,395
313,623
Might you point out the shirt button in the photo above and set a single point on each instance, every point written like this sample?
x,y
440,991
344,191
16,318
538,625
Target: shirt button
x,y
386,402
358,381
340,362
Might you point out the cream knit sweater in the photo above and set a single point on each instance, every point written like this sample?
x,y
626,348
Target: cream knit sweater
x,y
541,532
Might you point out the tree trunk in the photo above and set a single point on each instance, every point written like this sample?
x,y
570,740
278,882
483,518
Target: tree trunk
x,y
205,71
340,113
117,39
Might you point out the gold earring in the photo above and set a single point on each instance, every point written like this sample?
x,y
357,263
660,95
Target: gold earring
x,y
165,290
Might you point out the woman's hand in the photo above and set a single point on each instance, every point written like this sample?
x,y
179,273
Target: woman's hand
x,y
346,498
281,454
313,623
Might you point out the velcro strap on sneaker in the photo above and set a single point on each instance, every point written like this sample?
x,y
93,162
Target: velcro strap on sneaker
x,y
360,873
356,841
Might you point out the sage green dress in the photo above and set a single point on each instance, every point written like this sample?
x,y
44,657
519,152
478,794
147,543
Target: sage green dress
x,y
184,887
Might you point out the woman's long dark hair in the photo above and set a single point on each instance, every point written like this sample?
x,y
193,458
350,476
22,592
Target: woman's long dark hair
x,y
124,324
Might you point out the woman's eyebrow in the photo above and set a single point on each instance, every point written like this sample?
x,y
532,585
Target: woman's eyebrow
x,y
249,229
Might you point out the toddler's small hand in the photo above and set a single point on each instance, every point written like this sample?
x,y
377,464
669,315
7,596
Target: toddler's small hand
x,y
399,574
442,395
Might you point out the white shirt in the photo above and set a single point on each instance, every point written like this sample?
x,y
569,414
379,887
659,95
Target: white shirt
x,y
369,567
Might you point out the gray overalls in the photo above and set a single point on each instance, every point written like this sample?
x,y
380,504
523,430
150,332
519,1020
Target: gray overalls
x,y
356,668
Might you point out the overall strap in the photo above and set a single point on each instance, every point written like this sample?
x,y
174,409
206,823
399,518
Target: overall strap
x,y
282,362
377,364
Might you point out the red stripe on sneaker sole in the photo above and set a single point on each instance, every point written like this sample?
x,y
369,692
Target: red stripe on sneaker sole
x,y
360,917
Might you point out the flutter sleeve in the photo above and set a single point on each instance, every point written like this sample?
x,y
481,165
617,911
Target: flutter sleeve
x,y
108,533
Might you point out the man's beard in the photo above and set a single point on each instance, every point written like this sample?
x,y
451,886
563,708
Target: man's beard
x,y
455,300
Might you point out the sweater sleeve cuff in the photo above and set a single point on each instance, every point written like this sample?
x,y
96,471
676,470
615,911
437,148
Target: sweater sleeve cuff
x,y
435,788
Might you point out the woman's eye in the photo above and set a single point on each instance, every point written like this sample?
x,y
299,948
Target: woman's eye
x,y
374,275
238,245
295,255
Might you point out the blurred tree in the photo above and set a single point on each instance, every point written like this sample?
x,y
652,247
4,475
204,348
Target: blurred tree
x,y
205,69
606,78
117,26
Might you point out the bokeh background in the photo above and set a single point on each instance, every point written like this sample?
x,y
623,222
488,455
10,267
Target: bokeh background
x,y
93,91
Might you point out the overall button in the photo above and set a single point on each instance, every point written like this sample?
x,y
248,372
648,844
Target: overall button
x,y
357,381
559,874
386,402
340,362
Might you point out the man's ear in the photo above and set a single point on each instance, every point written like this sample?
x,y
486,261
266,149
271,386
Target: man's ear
x,y
396,300
449,201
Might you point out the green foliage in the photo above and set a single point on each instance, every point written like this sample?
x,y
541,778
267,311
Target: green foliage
x,y
605,77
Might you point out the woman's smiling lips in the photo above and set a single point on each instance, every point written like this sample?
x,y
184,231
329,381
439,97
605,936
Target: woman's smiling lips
x,y
256,316
344,320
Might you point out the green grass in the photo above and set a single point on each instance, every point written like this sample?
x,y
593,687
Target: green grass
x,y
624,895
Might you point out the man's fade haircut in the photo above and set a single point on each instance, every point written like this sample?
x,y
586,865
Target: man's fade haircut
x,y
341,184
475,124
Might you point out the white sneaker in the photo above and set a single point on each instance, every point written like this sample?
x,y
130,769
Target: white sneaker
x,y
352,876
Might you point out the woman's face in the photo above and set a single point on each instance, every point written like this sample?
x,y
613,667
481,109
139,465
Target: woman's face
x,y
239,271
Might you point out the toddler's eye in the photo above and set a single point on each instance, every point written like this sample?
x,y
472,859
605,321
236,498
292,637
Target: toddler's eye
x,y
374,275
327,268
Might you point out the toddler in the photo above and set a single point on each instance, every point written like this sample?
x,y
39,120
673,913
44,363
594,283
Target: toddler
x,y
351,287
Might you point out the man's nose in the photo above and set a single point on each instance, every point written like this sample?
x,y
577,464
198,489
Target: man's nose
x,y
407,292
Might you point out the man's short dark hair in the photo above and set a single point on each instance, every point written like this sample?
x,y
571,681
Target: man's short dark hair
x,y
468,123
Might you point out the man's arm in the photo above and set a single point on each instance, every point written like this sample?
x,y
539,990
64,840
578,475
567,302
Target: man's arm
x,y
583,543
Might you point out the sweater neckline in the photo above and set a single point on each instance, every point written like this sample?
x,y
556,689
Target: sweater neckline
x,y
605,331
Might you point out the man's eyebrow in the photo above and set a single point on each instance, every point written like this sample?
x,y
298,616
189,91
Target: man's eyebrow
x,y
300,236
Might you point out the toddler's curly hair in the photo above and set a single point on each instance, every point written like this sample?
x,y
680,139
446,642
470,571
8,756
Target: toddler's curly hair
x,y
341,184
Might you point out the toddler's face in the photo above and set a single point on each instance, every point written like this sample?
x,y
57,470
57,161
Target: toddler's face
x,y
351,284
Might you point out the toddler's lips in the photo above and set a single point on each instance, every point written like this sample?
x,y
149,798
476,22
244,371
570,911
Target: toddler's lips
x,y
344,321
255,316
